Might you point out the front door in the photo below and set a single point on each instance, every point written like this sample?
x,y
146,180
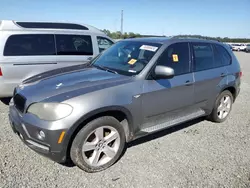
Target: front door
x,y
74,49
167,98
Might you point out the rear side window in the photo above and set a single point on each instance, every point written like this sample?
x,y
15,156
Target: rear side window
x,y
176,56
222,57
103,43
74,45
203,56
30,45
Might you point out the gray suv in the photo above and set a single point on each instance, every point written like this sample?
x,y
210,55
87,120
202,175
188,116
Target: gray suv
x,y
87,113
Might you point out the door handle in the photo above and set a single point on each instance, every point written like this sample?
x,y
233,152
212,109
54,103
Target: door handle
x,y
188,83
222,74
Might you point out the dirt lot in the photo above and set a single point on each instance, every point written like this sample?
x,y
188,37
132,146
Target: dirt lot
x,y
202,154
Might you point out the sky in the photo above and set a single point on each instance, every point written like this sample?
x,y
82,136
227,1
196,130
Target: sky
x,y
222,18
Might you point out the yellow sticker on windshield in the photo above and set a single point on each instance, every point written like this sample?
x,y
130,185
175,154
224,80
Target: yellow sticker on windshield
x,y
175,58
132,61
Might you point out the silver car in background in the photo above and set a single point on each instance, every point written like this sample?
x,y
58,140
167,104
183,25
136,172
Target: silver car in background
x,y
30,48
248,48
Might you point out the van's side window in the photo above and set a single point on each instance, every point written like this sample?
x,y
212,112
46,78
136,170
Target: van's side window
x,y
203,56
222,55
103,43
30,45
176,56
74,45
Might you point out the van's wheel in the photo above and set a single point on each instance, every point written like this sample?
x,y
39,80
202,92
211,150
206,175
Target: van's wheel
x,y
98,145
6,100
222,107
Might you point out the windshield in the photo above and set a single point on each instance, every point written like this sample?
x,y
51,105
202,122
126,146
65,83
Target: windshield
x,y
127,57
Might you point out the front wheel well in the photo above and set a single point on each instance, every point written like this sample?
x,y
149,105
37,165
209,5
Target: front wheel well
x,y
117,114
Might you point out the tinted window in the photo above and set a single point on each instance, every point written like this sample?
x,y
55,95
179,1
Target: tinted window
x,y
103,43
51,25
30,45
74,45
203,56
176,56
222,57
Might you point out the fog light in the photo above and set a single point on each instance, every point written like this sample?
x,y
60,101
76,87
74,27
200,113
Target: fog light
x,y
41,135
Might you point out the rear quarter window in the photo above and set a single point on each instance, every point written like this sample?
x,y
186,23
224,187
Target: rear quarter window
x,y
222,56
30,45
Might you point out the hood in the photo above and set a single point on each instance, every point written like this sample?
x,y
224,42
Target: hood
x,y
69,81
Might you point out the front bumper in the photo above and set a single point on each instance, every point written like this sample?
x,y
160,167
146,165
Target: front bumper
x,y
29,134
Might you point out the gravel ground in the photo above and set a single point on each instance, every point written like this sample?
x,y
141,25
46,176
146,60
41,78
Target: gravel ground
x,y
202,154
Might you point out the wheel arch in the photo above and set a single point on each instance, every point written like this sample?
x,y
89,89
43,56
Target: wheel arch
x,y
232,89
120,113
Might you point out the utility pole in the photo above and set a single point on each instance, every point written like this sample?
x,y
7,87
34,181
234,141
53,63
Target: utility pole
x,y
122,22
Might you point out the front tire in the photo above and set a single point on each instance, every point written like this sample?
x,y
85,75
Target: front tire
x,y
98,145
222,107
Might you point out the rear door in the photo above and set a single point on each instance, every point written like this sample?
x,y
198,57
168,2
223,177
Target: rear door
x,y
209,74
74,49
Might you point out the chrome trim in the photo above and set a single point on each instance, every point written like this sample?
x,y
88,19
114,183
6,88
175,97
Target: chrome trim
x,y
25,130
38,145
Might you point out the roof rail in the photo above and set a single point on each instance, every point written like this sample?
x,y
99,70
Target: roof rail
x,y
18,25
198,38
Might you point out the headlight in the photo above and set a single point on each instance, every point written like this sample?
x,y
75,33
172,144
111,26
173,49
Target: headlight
x,y
50,111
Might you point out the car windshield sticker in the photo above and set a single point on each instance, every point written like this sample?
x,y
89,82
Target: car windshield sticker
x,y
175,58
149,48
132,61
133,71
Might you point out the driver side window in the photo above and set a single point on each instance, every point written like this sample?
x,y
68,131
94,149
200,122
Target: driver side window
x,y
103,43
177,57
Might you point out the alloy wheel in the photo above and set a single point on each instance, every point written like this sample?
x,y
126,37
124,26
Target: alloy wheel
x,y
224,107
101,146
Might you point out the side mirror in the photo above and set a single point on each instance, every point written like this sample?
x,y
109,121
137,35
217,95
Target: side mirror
x,y
163,72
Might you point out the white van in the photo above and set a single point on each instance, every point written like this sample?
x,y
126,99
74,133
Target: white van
x,y
29,48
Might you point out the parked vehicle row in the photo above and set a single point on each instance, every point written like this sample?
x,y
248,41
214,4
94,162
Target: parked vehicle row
x,y
30,48
134,88
239,47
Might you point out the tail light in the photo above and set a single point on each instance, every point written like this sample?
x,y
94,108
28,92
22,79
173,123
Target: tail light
x,y
1,74
240,74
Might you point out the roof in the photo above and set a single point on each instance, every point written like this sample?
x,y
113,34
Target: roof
x,y
163,40
51,26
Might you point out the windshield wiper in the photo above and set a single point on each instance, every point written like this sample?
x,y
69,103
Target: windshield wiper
x,y
105,69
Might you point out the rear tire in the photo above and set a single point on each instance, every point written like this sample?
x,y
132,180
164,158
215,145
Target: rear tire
x,y
98,145
222,107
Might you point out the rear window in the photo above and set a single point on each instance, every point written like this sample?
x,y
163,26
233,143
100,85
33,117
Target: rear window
x,y
30,45
74,45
